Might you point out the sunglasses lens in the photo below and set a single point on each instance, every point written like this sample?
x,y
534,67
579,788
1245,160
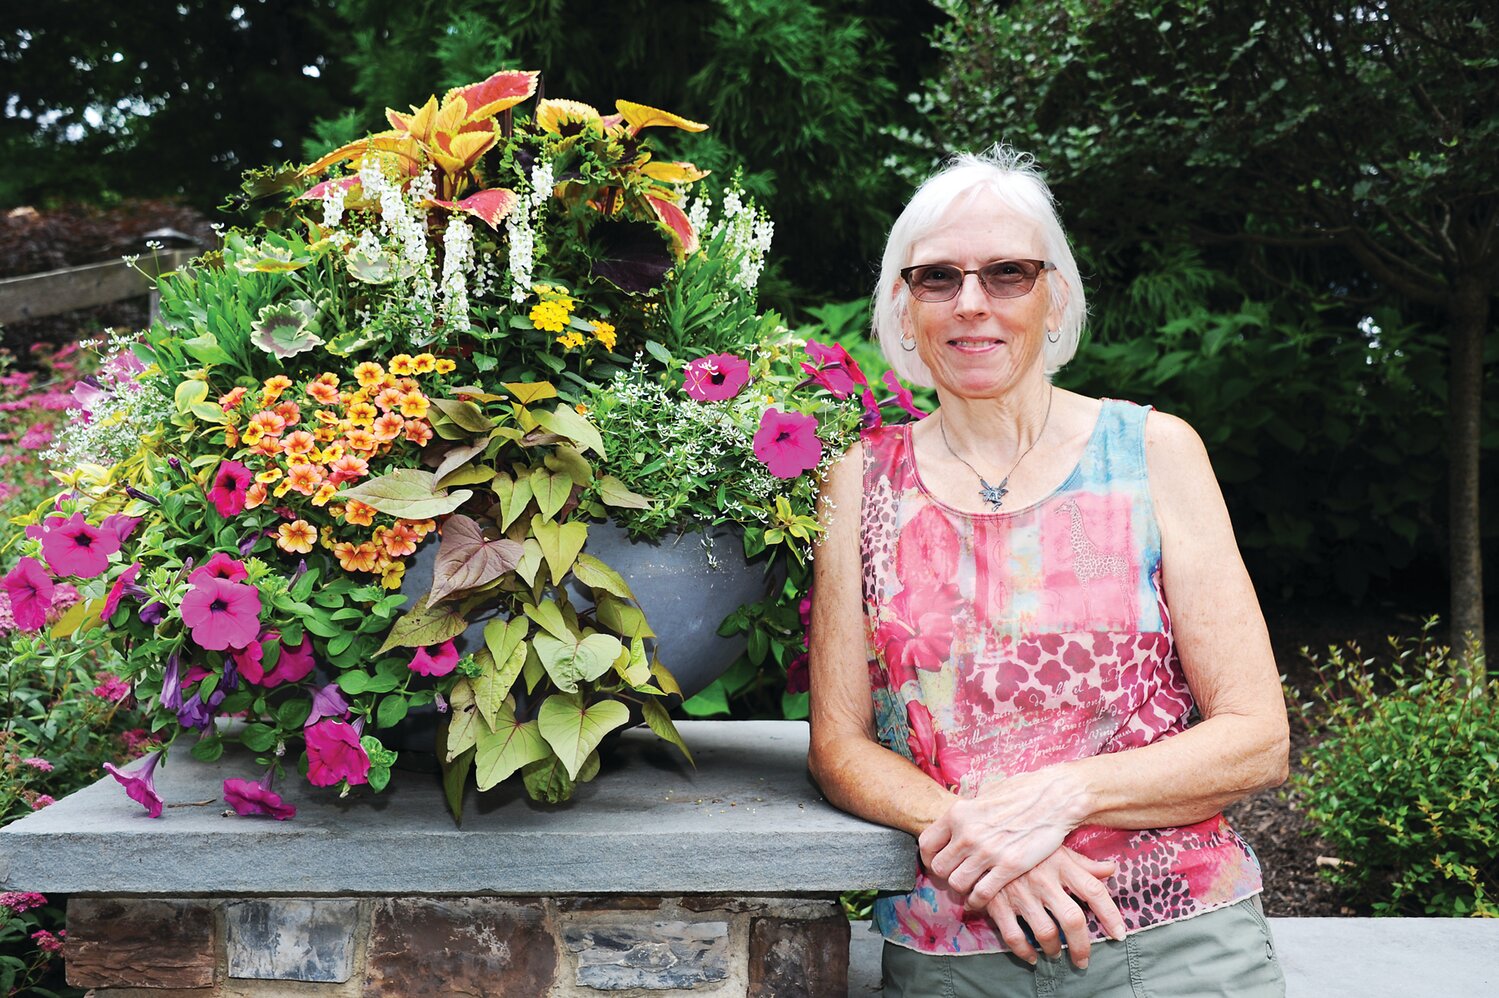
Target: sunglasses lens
x,y
935,283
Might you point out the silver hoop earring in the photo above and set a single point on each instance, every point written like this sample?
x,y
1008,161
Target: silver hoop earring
x,y
1053,339
904,341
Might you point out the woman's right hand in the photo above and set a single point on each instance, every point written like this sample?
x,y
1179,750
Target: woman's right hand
x,y
1047,897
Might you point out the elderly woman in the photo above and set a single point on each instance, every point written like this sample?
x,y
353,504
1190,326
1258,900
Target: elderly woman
x,y
1021,601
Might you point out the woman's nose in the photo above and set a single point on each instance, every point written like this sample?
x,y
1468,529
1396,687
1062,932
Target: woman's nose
x,y
972,299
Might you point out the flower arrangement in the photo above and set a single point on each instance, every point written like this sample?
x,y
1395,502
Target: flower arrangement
x,y
482,330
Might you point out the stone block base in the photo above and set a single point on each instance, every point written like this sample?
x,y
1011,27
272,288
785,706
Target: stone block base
x,y
506,947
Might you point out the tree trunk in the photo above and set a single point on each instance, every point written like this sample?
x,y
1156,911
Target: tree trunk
x,y
1468,312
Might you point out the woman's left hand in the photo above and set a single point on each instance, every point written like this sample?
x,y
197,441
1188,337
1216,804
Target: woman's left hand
x,y
982,843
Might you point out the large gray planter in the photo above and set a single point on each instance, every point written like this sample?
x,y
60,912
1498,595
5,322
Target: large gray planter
x,y
685,583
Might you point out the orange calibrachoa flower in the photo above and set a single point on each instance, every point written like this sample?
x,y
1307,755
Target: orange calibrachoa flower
x,y
422,527
323,393
356,558
424,363
418,431
266,423
359,514
361,440
347,468
401,363
305,478
255,495
273,388
369,374
289,411
296,537
325,434
414,405
388,398
361,414
400,540
299,443
388,427
231,399
231,437
268,446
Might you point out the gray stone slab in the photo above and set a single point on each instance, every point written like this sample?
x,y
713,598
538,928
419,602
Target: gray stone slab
x,y
1328,957
285,939
747,820
660,955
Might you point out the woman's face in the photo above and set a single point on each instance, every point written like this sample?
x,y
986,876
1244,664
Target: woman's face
x,y
977,346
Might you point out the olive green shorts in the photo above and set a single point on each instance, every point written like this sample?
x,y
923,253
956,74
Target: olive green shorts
x,y
1227,952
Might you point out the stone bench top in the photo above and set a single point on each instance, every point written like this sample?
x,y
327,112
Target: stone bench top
x,y
746,820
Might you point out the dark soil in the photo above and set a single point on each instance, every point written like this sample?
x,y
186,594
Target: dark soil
x,y
1272,821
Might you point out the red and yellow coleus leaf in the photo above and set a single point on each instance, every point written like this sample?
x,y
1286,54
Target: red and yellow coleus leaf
x,y
457,153
489,206
419,123
321,190
673,173
500,92
567,117
639,116
398,143
675,219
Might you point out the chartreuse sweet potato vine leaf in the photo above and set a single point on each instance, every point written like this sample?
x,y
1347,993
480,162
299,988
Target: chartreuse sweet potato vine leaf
x,y
424,625
495,682
467,559
514,496
510,745
578,659
551,490
560,544
549,617
597,575
565,421
574,729
526,392
409,493
463,720
660,722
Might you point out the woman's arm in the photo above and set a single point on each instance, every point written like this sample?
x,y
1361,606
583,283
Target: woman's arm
x,y
856,773
1241,745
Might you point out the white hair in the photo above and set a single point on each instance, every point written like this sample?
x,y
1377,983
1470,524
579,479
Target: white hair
x,y
1013,178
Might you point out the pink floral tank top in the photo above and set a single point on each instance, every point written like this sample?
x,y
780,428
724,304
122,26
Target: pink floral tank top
x,y
1005,642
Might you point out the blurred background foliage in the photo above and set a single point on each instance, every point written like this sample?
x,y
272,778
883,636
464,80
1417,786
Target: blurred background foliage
x,y
1251,214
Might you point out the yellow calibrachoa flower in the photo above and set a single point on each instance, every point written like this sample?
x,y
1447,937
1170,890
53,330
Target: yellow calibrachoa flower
x,y
401,364
391,579
269,476
362,414
325,492
424,363
445,366
369,374
273,388
296,537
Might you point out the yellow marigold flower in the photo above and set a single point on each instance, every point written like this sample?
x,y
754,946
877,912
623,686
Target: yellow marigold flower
x,y
269,476
362,414
424,363
445,366
414,405
359,514
324,493
369,373
391,578
296,537
401,363
605,334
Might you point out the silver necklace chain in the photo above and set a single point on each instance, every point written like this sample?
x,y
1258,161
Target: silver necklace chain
x,y
994,495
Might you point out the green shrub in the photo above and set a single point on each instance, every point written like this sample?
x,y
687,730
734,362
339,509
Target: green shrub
x,y
1404,783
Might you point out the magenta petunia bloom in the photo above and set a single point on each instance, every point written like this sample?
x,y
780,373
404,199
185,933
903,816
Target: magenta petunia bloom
x,y
446,660
30,590
334,754
75,548
120,525
716,377
328,702
837,356
787,442
220,566
292,666
249,797
117,592
140,784
902,395
230,483
222,614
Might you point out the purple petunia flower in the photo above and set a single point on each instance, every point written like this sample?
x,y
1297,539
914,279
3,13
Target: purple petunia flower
x,y
328,702
249,797
222,614
76,548
140,784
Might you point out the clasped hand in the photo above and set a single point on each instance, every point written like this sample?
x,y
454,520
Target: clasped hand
x,y
1002,851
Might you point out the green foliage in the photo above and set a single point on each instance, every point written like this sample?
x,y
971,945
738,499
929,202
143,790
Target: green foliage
x,y
1404,783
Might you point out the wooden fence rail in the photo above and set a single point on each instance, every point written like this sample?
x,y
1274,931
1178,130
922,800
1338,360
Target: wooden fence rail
x,y
35,296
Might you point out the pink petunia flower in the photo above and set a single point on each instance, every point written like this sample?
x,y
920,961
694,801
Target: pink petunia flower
x,y
334,754
716,377
292,666
111,688
902,395
249,797
75,548
230,483
328,702
118,590
120,525
836,355
140,784
220,566
787,442
222,614
30,590
425,664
